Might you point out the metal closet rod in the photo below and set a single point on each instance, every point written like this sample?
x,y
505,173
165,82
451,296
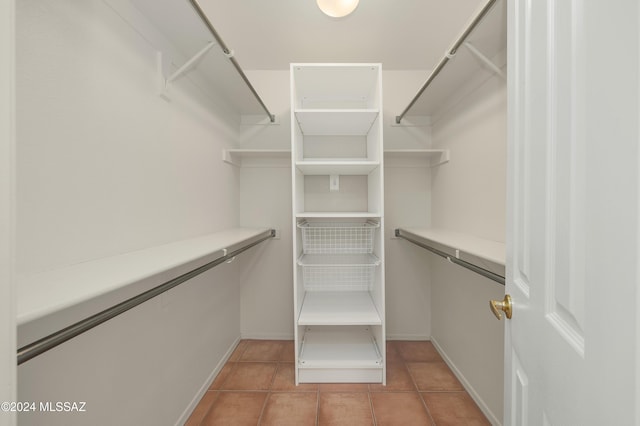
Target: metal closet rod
x,y
452,51
41,346
478,270
229,54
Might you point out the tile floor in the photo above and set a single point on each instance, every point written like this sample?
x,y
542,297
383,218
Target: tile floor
x,y
256,387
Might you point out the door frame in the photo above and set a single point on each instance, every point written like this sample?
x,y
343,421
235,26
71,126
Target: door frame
x,y
8,368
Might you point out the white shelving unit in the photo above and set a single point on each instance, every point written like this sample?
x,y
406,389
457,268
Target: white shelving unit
x,y
338,253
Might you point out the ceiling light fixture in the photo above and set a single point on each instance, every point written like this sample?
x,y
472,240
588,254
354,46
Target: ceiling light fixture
x,y
337,8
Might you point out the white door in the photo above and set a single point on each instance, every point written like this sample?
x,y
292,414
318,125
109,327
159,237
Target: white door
x,y
573,344
7,305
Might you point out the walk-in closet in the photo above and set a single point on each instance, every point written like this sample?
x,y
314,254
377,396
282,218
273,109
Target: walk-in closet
x,y
251,212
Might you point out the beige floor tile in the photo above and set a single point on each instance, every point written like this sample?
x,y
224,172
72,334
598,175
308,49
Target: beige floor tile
x,y
454,408
433,376
290,409
235,408
398,379
262,350
202,409
285,380
344,409
250,376
418,351
399,408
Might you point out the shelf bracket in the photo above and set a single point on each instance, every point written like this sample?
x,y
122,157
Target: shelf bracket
x,y
228,158
488,62
444,158
164,80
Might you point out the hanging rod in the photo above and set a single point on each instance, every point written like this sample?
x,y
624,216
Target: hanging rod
x,y
41,346
229,54
452,51
478,270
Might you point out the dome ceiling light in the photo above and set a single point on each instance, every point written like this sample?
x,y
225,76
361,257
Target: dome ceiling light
x,y
337,8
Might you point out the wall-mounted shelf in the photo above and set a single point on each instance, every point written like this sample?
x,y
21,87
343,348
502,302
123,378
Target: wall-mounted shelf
x,y
476,56
256,157
487,255
187,43
413,157
51,300
336,167
351,122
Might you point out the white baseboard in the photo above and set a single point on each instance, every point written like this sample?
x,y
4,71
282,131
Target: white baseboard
x,y
472,392
396,336
196,399
268,336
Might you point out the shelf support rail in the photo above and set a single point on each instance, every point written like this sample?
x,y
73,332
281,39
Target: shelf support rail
x,y
41,346
478,270
229,54
450,54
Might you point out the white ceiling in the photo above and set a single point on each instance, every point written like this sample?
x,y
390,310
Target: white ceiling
x,y
401,34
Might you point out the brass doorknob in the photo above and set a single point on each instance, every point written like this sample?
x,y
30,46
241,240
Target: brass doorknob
x,y
503,305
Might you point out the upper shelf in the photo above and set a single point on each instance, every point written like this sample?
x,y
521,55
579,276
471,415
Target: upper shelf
x,y
185,42
478,58
351,122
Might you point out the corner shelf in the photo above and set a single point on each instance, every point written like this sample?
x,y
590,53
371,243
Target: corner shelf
x,y
427,157
241,157
352,122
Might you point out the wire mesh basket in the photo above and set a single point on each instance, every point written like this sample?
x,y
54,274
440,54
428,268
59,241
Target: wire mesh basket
x,y
338,272
337,237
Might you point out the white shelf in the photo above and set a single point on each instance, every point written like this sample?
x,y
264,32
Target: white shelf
x,y
176,31
52,300
338,308
256,157
338,260
327,347
351,122
412,157
465,72
336,167
487,254
337,215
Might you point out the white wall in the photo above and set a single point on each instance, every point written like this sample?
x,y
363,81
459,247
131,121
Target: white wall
x,y
407,194
469,196
105,166
7,202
